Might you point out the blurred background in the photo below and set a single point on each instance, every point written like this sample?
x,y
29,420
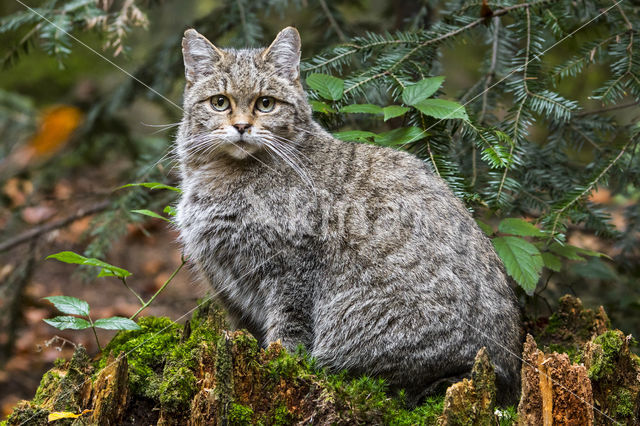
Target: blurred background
x,y
81,115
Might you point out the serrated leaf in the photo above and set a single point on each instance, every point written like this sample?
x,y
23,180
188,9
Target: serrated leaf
x,y
69,305
64,323
75,258
319,106
442,109
486,228
393,111
552,261
327,86
520,227
149,213
355,135
57,415
116,323
420,91
400,136
153,185
522,260
170,210
362,109
568,251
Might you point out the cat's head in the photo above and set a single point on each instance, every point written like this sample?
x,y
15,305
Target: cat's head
x,y
240,102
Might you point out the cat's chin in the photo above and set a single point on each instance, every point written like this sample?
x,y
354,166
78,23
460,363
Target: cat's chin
x,y
241,150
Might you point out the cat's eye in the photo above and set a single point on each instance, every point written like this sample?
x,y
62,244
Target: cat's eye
x,y
220,102
265,104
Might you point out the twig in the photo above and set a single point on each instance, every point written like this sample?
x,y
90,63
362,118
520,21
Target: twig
x,y
148,302
332,20
606,109
43,229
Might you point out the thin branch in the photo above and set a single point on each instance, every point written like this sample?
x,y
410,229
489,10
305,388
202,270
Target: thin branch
x,y
606,109
43,229
332,20
147,303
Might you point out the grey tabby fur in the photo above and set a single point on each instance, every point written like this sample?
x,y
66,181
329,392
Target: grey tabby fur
x,y
358,252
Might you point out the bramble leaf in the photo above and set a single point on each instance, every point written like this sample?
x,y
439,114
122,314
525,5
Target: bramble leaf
x,y
552,261
152,185
393,111
420,91
400,136
319,106
486,228
64,323
75,258
69,305
362,109
149,213
522,260
443,109
515,226
355,135
327,86
116,323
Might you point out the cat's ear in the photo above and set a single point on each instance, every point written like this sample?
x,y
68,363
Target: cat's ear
x,y
284,53
200,55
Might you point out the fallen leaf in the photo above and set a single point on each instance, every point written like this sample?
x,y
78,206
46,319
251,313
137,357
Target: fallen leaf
x,y
57,415
56,127
37,214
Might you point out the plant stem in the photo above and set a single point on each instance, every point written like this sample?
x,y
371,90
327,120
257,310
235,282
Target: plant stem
x,y
124,281
145,304
94,333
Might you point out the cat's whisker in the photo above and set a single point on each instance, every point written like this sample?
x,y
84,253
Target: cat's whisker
x,y
286,157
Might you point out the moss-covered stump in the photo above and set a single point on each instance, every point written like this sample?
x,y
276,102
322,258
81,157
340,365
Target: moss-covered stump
x,y
572,326
554,391
472,401
615,376
203,374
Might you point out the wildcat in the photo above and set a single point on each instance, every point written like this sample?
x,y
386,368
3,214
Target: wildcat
x,y
358,252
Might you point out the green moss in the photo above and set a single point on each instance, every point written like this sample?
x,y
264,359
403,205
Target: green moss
x,y
622,403
508,416
603,362
425,414
285,366
240,415
177,388
146,351
49,382
572,351
283,416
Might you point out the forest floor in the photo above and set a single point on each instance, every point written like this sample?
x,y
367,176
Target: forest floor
x,y
150,253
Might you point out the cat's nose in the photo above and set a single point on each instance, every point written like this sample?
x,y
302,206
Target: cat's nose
x,y
241,127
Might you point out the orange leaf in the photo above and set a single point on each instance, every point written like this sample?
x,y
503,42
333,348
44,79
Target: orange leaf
x,y
56,127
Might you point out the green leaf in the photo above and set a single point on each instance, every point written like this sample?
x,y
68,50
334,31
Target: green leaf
x,y
69,305
486,228
318,106
568,251
522,260
596,269
551,261
152,185
327,86
400,136
420,91
520,227
362,108
64,323
170,210
355,135
116,323
443,109
149,213
75,258
393,111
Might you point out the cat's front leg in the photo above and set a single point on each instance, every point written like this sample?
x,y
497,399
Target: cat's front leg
x,y
291,326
